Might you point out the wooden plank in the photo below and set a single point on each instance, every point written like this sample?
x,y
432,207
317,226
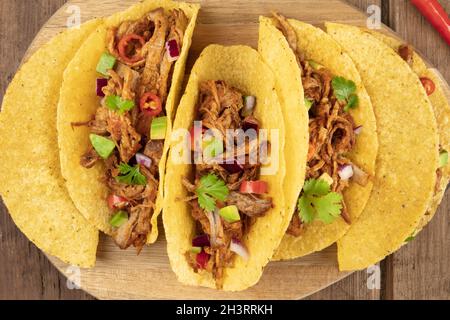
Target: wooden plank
x,y
25,272
420,269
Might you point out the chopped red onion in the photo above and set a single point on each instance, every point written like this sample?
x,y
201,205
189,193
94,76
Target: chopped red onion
x,y
360,177
202,259
201,241
173,50
345,171
143,160
237,247
101,83
358,130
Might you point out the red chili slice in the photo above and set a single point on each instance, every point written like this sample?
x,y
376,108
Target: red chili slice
x,y
256,187
151,104
428,84
116,202
128,44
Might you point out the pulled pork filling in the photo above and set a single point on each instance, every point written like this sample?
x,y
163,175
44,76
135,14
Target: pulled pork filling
x,y
331,127
220,107
138,82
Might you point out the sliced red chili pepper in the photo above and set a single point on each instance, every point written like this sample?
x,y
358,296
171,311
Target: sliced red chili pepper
x,y
151,104
428,84
127,45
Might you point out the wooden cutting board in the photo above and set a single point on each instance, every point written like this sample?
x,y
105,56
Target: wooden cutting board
x,y
123,275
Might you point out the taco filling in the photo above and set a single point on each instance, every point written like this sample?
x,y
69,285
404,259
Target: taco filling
x,y
226,193
333,133
129,126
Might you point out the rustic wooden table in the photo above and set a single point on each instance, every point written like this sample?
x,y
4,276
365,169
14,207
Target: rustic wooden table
x,y
420,270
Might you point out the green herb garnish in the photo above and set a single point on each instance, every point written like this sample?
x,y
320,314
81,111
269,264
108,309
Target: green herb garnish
x,y
119,219
211,188
131,175
118,104
318,202
345,90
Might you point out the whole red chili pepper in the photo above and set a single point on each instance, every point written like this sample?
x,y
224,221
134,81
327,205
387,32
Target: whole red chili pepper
x,y
436,15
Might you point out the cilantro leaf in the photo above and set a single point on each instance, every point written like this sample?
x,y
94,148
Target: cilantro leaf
x,y
118,104
318,202
305,209
352,103
316,187
211,188
328,207
343,88
131,175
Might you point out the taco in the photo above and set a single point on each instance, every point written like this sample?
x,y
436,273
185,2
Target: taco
x,y
31,183
408,156
342,133
434,87
224,214
112,142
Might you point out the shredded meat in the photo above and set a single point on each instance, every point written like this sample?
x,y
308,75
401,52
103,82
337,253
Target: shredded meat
x,y
129,130
249,204
90,158
331,129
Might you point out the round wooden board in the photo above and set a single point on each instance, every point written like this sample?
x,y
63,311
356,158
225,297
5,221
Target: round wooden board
x,y
123,275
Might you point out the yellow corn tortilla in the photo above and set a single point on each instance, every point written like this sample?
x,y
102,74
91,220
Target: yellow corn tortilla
x,y
277,54
79,102
408,151
320,47
31,183
441,108
241,67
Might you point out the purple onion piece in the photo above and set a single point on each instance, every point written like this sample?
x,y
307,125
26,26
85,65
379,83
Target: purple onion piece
x,y
143,160
201,241
173,49
358,130
101,83
345,172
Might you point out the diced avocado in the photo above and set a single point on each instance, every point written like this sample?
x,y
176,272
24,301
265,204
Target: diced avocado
x,y
119,219
158,128
212,147
230,213
106,63
103,146
326,177
196,249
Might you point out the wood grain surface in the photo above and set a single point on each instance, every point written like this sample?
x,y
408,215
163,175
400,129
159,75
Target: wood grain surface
x,y
419,270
